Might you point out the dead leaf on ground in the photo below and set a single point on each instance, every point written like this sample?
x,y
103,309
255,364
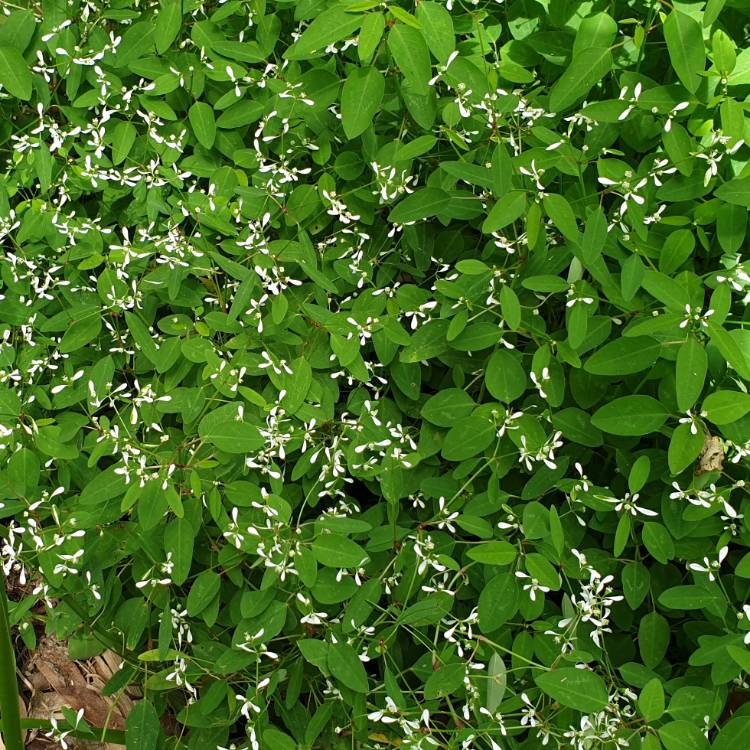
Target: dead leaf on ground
x,y
54,681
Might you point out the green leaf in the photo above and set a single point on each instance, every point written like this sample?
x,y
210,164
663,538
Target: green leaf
x,y
630,415
404,16
168,24
296,385
631,276
509,208
272,737
411,54
635,584
14,73
179,537
677,248
684,448
497,679
686,50
691,368
142,727
475,525
622,534
666,290
504,376
558,209
123,138
314,651
575,425
691,701
687,597
540,568
230,435
735,192
427,342
360,100
152,504
585,70
734,733
467,172
545,282
651,700
17,29
724,407
682,735
81,332
510,307
370,35
597,30
336,551
446,407
345,666
493,553
724,52
653,639
105,486
501,169
574,688
328,27
729,349
658,542
437,28
498,602
419,205
205,587
427,611
741,656
624,356
444,681
731,223
23,471
594,236
142,337
742,569
201,117
467,437
639,473
417,147
712,11
678,145
422,107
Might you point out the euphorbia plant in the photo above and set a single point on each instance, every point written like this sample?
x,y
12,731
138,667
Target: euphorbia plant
x,y
376,374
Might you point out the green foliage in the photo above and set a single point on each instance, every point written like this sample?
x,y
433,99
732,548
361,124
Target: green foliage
x,y
376,374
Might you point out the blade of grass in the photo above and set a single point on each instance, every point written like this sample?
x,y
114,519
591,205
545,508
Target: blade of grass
x,y
11,716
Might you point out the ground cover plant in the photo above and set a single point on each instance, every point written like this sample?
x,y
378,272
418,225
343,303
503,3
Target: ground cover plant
x,y
375,374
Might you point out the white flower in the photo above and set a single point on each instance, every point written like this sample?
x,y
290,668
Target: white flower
x,y
628,504
693,420
711,567
694,315
673,113
532,586
632,101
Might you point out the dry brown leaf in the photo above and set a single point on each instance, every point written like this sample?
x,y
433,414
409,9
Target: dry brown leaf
x,y
712,455
56,681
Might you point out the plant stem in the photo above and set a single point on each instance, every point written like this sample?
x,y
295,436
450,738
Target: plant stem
x,y
11,716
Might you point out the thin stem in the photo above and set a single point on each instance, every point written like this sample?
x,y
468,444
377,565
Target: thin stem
x,y
11,716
